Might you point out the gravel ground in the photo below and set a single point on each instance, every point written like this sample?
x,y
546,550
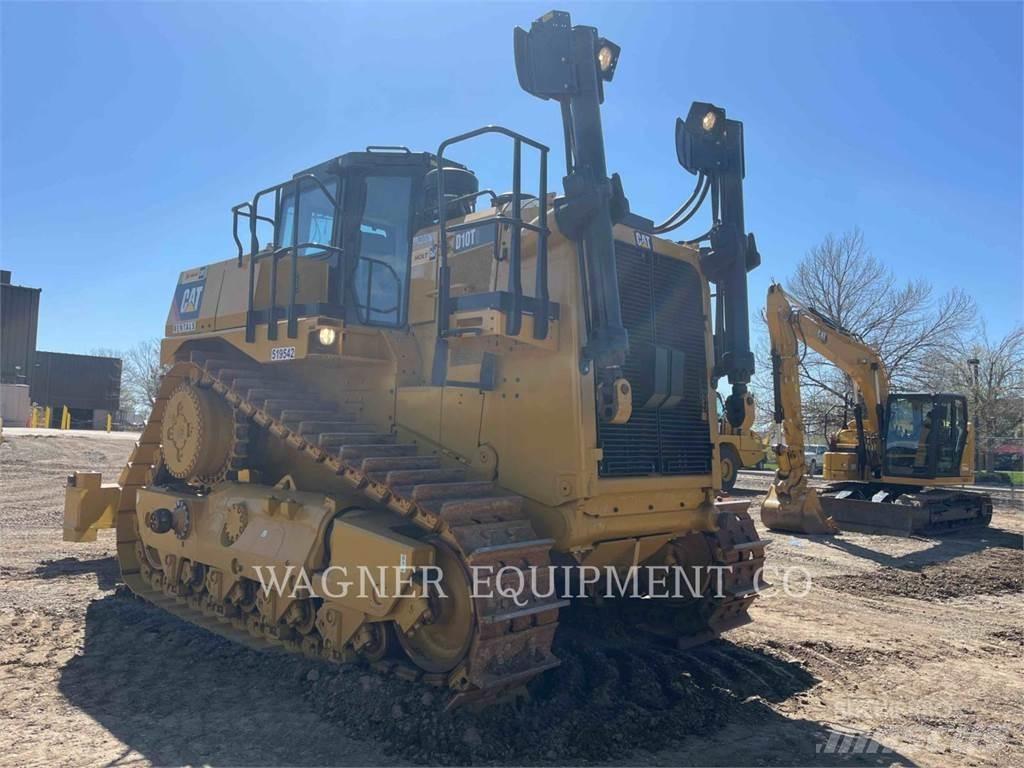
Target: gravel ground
x,y
912,645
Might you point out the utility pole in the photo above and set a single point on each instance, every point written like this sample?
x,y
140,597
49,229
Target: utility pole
x,y
974,363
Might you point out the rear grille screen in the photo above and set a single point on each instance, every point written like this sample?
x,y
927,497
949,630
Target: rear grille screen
x,y
661,305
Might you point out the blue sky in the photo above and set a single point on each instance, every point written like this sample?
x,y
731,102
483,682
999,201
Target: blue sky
x,y
128,131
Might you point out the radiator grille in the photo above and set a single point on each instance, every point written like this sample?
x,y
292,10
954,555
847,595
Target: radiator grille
x,y
661,304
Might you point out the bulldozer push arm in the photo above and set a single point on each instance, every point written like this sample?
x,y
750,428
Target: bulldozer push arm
x,y
791,504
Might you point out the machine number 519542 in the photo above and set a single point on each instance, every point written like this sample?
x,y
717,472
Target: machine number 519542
x,y
282,353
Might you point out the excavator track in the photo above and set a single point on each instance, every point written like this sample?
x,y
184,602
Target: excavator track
x,y
904,512
482,524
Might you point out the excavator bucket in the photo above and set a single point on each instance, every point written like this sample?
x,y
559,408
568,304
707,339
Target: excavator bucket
x,y
803,515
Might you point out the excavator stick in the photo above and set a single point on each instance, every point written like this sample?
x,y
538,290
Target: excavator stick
x,y
800,513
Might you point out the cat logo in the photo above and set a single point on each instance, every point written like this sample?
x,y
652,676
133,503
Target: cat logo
x,y
643,240
190,299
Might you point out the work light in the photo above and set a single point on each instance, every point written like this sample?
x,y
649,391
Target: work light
x,y
327,336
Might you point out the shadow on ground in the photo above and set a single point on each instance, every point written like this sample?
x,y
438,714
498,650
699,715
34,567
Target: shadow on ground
x,y
176,694
105,568
944,548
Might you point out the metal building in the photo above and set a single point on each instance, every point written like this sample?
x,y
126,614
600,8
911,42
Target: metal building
x,y
89,386
19,322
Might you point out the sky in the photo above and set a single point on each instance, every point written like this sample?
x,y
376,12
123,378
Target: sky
x,y
129,130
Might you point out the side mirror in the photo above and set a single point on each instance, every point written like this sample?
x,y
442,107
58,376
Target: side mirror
x,y
544,57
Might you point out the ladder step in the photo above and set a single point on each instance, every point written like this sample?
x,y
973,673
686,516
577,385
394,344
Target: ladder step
x,y
381,465
420,476
268,392
452,490
292,417
360,434
478,510
350,452
274,406
337,422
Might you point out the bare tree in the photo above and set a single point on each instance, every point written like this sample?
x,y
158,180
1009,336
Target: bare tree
x,y
906,323
141,375
991,373
143,371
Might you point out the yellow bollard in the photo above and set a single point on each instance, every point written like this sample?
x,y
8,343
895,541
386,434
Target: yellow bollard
x,y
47,417
110,422
65,419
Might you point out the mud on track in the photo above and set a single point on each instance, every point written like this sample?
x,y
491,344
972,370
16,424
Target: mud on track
x,y
922,674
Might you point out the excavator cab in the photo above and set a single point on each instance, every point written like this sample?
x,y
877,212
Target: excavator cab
x,y
925,435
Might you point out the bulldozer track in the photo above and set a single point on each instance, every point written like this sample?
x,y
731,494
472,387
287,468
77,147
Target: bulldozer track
x,y
485,526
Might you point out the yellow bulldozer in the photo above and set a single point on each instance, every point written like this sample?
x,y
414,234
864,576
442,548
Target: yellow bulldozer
x,y
399,369
739,446
893,469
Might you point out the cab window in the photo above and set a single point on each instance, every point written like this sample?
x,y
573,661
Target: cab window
x,y
381,271
925,436
316,214
951,421
907,435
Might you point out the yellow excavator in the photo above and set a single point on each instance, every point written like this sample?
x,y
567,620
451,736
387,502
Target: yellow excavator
x,y
893,469
399,369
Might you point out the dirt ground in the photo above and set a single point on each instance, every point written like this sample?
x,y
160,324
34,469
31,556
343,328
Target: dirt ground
x,y
903,651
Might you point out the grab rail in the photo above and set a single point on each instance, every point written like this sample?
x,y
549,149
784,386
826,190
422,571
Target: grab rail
x,y
251,211
515,222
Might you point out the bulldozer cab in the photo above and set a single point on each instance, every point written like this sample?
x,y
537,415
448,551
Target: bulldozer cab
x,y
925,435
340,239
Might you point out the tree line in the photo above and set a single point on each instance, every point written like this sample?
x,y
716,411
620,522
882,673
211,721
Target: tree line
x,y
930,342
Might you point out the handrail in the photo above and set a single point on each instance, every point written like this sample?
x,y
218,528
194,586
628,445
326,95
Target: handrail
x,y
393,148
474,195
236,211
276,255
369,284
254,243
516,223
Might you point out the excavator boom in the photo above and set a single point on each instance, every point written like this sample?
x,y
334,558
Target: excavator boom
x,y
791,505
